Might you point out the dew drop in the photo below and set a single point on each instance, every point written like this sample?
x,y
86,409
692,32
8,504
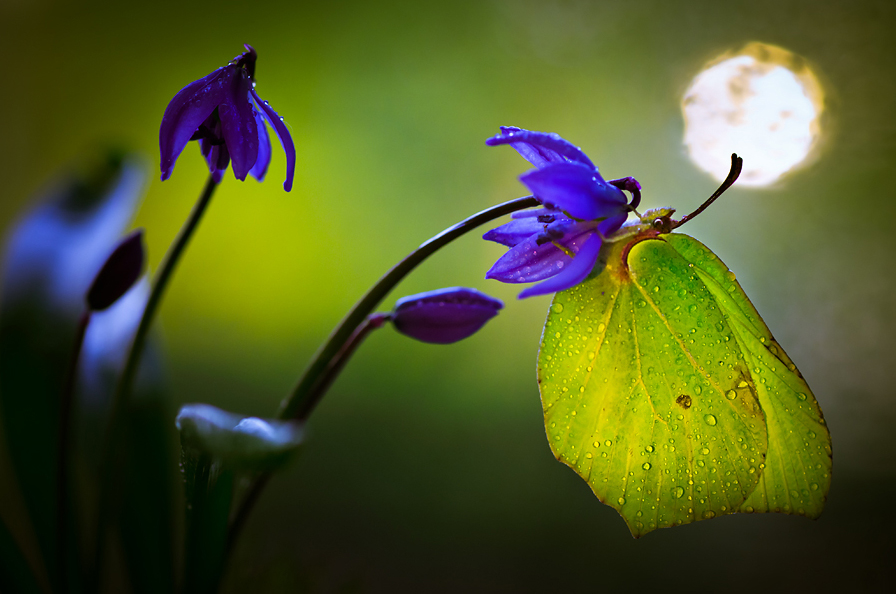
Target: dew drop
x,y
557,308
678,492
646,466
649,449
710,420
621,501
601,327
730,394
608,443
801,396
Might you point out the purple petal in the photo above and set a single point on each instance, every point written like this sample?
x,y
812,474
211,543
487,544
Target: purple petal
x,y
612,224
238,122
189,108
540,148
575,189
260,168
283,134
535,212
580,267
444,316
216,155
514,232
528,262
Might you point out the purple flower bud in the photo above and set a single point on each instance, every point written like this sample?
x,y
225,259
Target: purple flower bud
x,y
121,270
445,315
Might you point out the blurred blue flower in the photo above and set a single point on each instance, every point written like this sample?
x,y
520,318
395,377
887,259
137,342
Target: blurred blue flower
x,y
224,113
54,252
445,315
559,243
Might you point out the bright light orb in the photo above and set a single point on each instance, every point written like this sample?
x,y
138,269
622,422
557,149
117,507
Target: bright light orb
x,y
763,103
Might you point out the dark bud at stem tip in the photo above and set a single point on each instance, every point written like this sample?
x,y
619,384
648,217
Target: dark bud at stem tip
x,y
122,269
444,316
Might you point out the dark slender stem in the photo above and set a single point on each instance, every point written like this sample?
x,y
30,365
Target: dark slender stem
x,y
737,164
305,390
62,454
332,356
372,322
114,452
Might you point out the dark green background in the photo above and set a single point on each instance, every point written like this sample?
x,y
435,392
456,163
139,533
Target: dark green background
x,y
427,468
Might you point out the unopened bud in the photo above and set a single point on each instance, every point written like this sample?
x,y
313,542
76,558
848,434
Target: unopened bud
x,y
445,315
121,270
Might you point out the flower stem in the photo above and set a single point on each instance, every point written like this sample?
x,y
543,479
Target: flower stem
x,y
114,453
332,356
305,395
62,455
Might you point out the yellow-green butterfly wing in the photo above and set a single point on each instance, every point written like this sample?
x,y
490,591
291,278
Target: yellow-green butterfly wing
x,y
663,388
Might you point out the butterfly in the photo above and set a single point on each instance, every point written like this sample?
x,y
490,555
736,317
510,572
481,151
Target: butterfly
x,y
666,392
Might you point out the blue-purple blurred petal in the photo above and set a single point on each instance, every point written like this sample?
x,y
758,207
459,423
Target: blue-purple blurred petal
x,y
573,273
529,262
575,189
444,316
55,250
283,134
107,341
184,114
260,169
540,148
238,123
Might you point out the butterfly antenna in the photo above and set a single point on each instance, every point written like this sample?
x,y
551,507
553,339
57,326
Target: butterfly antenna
x,y
737,164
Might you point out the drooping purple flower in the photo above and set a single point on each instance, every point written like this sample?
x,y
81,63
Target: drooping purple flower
x,y
445,315
224,113
558,244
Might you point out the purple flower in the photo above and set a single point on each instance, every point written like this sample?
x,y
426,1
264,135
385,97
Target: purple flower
x,y
559,243
224,113
445,315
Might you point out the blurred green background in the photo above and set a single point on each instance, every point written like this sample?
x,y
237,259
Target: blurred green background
x,y
427,468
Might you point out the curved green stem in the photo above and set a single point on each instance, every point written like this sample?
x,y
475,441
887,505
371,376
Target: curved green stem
x,y
304,395
332,356
114,452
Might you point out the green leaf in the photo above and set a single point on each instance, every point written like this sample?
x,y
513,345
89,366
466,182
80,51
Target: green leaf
x,y
663,388
147,512
216,445
209,491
